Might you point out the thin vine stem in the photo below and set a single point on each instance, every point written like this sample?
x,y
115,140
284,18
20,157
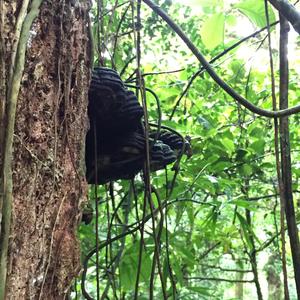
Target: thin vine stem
x,y
147,165
97,216
277,159
146,172
286,167
6,184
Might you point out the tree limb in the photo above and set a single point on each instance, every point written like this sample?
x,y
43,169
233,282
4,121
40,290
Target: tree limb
x,y
218,279
289,11
286,166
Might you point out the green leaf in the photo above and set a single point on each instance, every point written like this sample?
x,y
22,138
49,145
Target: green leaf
x,y
256,132
190,214
255,11
126,277
204,122
199,290
258,146
238,68
231,20
245,229
177,270
211,221
212,31
241,154
246,170
245,204
129,264
221,165
206,184
228,144
213,158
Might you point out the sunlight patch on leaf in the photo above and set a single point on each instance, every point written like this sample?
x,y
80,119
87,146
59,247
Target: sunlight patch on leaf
x,y
199,290
245,204
212,31
255,11
212,179
228,144
201,120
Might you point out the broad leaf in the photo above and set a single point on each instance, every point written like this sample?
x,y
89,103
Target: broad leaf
x,y
212,31
255,11
199,290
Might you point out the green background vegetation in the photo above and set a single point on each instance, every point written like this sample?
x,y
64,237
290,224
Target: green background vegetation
x,y
221,223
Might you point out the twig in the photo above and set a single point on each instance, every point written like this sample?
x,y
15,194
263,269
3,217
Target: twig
x,y
203,255
158,237
97,213
113,9
126,65
140,82
172,277
225,269
218,279
117,32
157,73
158,106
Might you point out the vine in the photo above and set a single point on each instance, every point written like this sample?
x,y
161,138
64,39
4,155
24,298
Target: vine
x,y
24,23
159,213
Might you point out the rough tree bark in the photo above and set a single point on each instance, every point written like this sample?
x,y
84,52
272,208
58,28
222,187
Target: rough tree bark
x,y
48,175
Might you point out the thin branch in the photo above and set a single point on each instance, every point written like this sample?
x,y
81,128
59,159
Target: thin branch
x,y
203,255
113,9
117,32
225,269
157,73
97,214
218,279
126,65
159,111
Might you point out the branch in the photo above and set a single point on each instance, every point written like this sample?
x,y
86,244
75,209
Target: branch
x,y
218,279
225,269
285,145
288,11
214,75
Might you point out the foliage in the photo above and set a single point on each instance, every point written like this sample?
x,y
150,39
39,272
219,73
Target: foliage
x,y
223,206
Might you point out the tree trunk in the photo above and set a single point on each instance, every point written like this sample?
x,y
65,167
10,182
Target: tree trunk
x,y
239,286
285,146
273,279
48,173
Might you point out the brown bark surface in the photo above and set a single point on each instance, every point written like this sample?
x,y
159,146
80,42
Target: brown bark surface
x,y
49,184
